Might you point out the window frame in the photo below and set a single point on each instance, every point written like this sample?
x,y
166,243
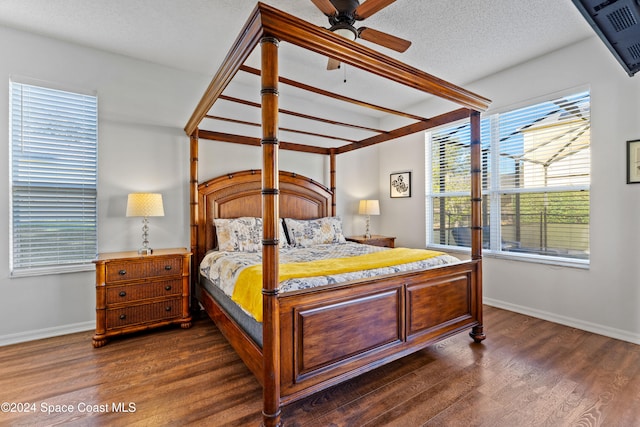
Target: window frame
x,y
493,192
83,262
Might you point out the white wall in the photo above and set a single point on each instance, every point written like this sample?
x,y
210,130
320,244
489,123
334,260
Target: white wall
x,y
356,179
142,110
606,297
403,217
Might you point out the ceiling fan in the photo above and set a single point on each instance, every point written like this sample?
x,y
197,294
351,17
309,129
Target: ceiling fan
x,y
344,13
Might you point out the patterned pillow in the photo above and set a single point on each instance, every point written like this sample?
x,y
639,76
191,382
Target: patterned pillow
x,y
305,233
239,234
242,234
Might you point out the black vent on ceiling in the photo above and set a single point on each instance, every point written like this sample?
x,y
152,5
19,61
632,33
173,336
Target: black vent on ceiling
x,y
622,19
617,23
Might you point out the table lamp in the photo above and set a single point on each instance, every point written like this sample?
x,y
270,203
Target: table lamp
x,y
145,205
368,208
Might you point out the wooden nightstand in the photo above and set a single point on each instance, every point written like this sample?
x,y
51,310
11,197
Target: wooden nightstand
x,y
374,240
137,292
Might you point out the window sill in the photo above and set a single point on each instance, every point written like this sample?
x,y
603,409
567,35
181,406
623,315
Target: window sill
x,y
522,257
46,271
583,264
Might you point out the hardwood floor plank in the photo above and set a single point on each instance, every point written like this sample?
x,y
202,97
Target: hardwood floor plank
x,y
474,409
346,394
388,396
527,372
423,407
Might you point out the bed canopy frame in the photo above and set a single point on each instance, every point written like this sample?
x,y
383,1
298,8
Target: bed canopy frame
x,y
268,27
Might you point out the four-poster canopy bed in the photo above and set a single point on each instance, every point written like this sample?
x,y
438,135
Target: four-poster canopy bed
x,y
311,339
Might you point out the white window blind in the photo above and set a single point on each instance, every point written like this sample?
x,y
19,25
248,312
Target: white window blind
x,y
536,180
450,183
53,179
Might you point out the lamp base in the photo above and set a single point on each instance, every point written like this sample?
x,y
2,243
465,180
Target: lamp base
x,y
145,251
367,234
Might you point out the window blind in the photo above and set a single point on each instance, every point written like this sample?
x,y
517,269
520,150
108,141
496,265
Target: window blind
x,y
537,200
53,178
545,175
448,207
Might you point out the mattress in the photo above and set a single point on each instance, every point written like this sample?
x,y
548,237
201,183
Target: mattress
x,y
251,326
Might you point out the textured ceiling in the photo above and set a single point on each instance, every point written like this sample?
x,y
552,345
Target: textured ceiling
x,y
457,40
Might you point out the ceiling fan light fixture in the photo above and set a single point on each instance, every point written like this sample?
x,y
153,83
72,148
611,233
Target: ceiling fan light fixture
x,y
345,30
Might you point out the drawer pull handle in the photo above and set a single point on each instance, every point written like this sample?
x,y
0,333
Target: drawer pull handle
x,y
122,272
167,288
167,308
123,316
122,294
167,267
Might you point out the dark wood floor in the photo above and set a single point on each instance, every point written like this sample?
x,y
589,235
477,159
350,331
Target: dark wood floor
x,y
527,372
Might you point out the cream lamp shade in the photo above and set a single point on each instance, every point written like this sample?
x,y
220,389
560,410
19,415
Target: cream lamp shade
x,y
368,208
145,205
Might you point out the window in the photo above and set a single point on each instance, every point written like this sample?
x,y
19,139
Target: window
x,y
53,179
535,187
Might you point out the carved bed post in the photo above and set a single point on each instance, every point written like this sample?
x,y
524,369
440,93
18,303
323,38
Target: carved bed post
x,y
193,213
477,333
270,233
332,177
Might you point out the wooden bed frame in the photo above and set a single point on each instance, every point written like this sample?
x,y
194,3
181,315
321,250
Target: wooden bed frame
x,y
317,338
335,332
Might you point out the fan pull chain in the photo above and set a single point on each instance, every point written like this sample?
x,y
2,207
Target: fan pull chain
x,y
344,66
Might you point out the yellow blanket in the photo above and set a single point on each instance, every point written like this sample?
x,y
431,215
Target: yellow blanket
x,y
248,290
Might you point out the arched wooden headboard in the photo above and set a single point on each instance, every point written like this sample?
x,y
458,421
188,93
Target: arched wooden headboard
x,y
240,194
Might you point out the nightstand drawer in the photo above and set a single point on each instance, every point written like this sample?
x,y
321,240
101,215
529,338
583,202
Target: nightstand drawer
x,y
144,313
128,270
142,291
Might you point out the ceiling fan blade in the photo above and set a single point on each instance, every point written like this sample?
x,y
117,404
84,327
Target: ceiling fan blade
x,y
333,64
370,7
325,7
383,39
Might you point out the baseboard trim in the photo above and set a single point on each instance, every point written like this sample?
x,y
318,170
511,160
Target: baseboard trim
x,y
46,333
564,320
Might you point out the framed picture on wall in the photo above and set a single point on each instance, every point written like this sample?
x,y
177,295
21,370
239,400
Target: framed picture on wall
x,y
633,162
400,184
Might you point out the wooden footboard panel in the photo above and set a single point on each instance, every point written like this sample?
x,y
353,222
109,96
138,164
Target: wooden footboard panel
x,y
333,332
330,335
439,305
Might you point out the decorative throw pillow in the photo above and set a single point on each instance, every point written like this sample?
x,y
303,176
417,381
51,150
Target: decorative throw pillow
x,y
305,233
243,234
